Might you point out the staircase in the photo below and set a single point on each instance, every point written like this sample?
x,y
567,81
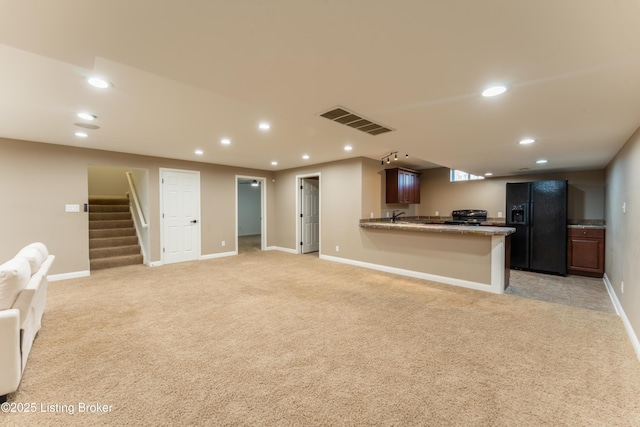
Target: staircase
x,y
112,236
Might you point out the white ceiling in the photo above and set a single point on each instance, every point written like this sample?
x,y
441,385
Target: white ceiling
x,y
187,73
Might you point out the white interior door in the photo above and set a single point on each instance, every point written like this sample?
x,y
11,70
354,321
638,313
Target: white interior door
x,y
180,215
310,215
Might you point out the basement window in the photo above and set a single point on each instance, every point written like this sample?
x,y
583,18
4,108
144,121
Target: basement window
x,y
457,175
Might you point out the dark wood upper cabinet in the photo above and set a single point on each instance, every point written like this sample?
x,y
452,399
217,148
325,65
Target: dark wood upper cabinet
x,y
403,186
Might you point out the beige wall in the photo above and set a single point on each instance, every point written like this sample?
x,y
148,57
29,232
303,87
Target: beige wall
x,y
351,190
373,189
107,181
37,180
437,193
623,229
340,201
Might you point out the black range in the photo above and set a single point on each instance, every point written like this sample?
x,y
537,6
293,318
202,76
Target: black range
x,y
467,217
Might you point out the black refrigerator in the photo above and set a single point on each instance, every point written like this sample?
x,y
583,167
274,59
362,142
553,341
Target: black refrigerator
x,y
538,212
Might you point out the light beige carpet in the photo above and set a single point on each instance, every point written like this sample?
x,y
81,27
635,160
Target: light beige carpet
x,y
268,338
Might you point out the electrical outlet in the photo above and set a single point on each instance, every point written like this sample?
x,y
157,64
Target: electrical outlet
x,y
72,208
371,214
624,207
499,214
337,248
223,243
622,287
437,213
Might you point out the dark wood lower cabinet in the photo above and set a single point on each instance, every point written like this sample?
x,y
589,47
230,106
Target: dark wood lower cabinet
x,y
585,255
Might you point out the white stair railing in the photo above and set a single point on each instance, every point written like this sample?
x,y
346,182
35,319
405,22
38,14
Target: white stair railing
x,y
136,201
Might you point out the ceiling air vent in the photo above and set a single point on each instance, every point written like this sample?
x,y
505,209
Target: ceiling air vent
x,y
346,117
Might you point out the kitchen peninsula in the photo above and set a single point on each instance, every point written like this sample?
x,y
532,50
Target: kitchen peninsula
x,y
475,257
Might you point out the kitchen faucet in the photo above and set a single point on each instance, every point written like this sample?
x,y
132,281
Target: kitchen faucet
x,y
395,215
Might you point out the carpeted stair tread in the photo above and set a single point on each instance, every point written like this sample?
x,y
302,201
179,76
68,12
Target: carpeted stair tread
x,y
114,251
119,261
113,241
108,216
116,223
109,242
108,208
111,232
93,200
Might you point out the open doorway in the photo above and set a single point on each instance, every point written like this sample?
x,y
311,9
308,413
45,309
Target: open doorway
x,y
250,213
119,216
308,206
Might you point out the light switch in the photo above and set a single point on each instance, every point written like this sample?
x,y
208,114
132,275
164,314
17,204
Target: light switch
x,y
72,208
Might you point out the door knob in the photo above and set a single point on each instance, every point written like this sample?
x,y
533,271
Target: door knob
x,y
194,221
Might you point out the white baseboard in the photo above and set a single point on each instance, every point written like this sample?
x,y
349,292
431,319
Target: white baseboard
x,y
415,274
620,311
65,276
281,249
220,255
155,264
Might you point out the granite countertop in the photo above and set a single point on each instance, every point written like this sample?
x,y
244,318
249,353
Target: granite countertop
x,y
498,222
595,224
481,230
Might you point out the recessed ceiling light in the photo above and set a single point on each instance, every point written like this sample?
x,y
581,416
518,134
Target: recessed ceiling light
x,y
527,141
225,141
305,156
494,91
541,161
87,126
87,116
264,126
488,174
274,163
81,134
348,148
199,152
99,82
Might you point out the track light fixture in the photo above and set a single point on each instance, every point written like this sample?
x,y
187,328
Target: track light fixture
x,y
387,158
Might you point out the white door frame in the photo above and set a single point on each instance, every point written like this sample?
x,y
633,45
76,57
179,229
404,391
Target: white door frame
x,y
299,179
160,178
263,209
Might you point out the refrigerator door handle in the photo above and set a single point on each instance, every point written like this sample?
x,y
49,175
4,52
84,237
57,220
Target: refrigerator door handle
x,y
529,214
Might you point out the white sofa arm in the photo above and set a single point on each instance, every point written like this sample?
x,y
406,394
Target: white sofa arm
x,y
10,366
36,279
